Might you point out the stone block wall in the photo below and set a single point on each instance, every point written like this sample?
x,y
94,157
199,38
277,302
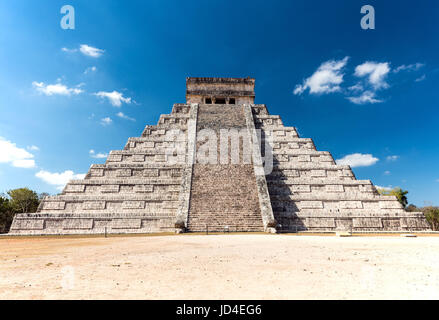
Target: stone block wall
x,y
137,190
310,192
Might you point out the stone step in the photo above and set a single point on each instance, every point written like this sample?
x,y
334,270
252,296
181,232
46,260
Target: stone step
x,y
223,194
231,229
181,108
137,180
134,173
287,139
111,197
108,213
143,151
345,214
236,216
159,139
306,165
296,151
146,158
318,181
225,220
141,165
323,196
223,227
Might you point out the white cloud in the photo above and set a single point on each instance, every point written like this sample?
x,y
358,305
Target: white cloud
x,y
365,97
24,163
54,89
69,50
421,78
17,157
115,98
387,172
410,67
358,160
33,148
375,71
389,188
356,88
392,158
90,70
371,76
58,179
106,121
124,116
86,50
326,79
91,51
99,155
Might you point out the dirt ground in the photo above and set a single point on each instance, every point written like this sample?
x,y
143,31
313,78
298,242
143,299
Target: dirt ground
x,y
253,266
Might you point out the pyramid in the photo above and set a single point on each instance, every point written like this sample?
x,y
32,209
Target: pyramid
x,y
218,162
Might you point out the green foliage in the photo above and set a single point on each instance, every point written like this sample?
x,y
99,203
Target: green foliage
x,y
432,216
400,194
412,208
24,200
6,214
21,200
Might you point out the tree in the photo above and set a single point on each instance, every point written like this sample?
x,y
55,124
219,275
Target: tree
x,y
400,194
23,200
432,216
412,208
6,214
42,195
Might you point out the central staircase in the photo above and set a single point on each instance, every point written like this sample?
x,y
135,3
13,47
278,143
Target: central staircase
x,y
224,197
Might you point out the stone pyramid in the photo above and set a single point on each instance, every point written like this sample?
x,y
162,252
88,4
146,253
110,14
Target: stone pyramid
x,y
219,162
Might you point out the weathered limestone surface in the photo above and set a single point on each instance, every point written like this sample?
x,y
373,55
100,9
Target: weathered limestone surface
x,y
224,195
186,183
309,191
162,182
138,189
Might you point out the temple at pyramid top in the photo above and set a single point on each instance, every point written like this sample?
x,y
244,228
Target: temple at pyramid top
x,y
220,90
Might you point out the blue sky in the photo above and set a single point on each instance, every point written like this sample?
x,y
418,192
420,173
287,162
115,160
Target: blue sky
x,y
370,95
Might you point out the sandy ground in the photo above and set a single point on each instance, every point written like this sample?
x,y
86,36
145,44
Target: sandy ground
x,y
220,267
